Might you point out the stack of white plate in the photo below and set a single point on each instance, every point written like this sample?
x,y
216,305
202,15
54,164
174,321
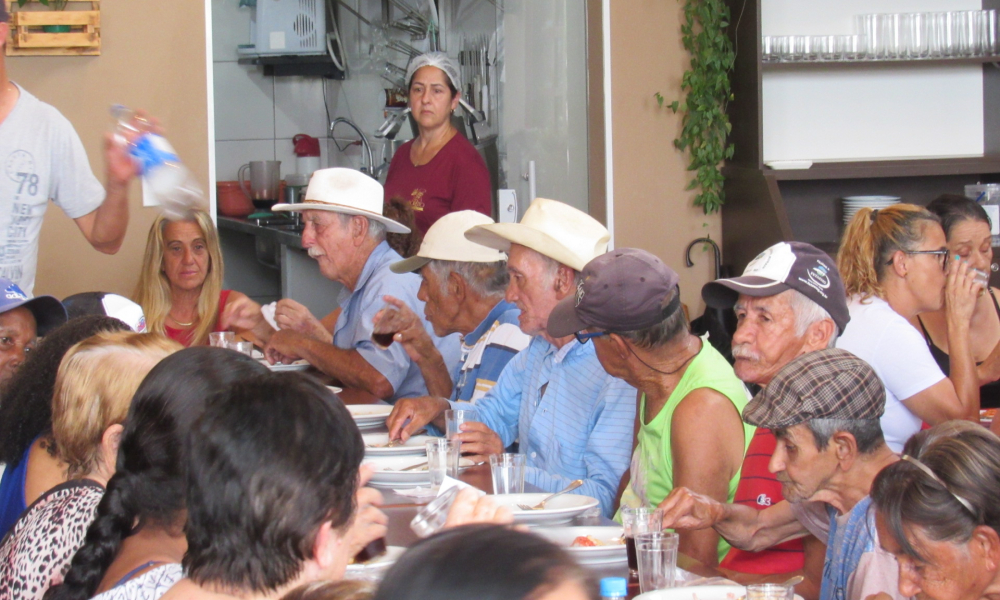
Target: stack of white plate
x,y
852,204
368,416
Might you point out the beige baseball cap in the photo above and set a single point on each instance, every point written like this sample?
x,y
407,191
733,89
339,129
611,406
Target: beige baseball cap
x,y
551,228
445,240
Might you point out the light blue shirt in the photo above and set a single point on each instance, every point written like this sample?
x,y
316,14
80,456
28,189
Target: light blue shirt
x,y
574,421
358,308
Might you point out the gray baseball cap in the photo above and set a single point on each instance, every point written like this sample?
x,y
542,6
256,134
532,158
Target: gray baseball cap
x,y
623,290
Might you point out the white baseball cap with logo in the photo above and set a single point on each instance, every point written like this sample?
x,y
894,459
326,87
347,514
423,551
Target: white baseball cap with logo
x,y
445,240
786,266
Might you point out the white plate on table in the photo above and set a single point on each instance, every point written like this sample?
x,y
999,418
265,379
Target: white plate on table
x,y
375,442
392,554
299,365
389,471
613,550
700,592
560,509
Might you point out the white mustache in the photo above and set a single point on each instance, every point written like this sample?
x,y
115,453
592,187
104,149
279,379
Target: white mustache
x,y
314,252
743,351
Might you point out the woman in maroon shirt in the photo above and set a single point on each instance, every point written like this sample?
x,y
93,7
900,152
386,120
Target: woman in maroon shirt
x,y
439,171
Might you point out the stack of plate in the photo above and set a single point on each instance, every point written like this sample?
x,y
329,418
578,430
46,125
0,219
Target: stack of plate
x,y
378,444
389,471
612,550
368,416
558,510
852,204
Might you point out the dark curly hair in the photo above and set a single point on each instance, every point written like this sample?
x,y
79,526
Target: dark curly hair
x,y
148,485
26,399
399,210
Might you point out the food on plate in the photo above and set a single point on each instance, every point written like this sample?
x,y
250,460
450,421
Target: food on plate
x,y
589,541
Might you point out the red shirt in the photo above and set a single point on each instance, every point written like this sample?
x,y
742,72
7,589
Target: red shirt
x,y
455,179
760,489
183,336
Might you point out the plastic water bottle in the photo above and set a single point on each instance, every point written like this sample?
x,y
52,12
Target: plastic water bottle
x,y
614,588
166,178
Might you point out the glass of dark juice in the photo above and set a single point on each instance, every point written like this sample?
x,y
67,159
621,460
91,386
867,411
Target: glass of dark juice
x,y
643,519
386,326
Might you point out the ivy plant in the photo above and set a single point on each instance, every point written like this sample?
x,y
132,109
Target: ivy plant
x,y
705,125
53,4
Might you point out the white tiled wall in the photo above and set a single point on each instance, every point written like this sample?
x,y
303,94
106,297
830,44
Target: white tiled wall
x,y
257,116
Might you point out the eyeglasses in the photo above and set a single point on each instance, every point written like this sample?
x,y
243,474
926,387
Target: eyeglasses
x,y
583,337
941,254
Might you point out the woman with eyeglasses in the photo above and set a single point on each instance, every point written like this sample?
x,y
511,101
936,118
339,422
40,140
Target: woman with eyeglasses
x,y
937,512
895,265
967,227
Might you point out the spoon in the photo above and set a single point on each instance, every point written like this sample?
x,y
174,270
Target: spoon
x,y
794,581
569,488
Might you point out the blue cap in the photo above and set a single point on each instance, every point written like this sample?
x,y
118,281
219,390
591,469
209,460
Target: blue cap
x,y
49,313
614,586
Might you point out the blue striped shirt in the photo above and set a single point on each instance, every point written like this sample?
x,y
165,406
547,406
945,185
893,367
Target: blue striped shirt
x,y
487,350
573,420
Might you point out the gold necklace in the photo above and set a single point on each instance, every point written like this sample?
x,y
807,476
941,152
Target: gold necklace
x,y
174,319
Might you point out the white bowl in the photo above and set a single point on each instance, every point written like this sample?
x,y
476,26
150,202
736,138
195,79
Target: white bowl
x,y
561,509
612,552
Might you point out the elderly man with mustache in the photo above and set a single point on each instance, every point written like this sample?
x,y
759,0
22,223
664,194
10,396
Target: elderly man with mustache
x,y
789,301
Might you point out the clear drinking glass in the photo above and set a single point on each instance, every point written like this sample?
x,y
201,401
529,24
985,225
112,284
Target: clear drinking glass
x,y
635,521
508,473
767,48
989,32
657,557
431,518
770,591
454,418
781,47
917,34
442,459
221,339
938,37
243,347
825,47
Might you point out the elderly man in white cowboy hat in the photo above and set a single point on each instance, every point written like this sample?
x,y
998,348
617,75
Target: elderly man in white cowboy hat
x,y
572,420
345,233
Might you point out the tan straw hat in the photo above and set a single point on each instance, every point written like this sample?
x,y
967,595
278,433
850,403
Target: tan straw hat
x,y
551,228
345,191
445,240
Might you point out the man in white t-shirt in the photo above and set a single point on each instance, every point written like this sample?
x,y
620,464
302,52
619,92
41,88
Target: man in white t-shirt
x,y
42,159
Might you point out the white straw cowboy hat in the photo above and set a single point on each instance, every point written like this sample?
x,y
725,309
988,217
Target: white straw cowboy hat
x,y
445,240
345,191
551,228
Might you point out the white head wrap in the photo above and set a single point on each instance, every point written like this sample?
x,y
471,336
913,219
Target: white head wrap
x,y
439,60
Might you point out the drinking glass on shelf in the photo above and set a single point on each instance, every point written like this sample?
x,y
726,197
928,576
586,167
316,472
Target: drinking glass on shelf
x,y
825,47
767,48
781,47
656,553
989,32
853,47
917,32
967,25
799,47
937,38
635,521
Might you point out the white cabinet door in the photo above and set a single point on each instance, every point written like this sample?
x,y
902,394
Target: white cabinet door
x,y
544,99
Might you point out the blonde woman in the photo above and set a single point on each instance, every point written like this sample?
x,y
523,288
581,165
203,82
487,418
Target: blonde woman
x,y
180,287
895,265
94,387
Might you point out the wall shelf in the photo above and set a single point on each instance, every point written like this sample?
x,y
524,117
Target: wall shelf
x,y
29,37
765,206
306,65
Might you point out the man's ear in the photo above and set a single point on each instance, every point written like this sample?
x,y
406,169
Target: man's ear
x,y
819,334
359,229
565,281
327,547
620,345
457,287
846,448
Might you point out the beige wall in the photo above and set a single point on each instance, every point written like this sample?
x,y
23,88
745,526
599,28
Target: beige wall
x,y
153,57
652,210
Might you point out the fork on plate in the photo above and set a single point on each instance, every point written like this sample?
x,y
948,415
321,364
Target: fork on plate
x,y
569,488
